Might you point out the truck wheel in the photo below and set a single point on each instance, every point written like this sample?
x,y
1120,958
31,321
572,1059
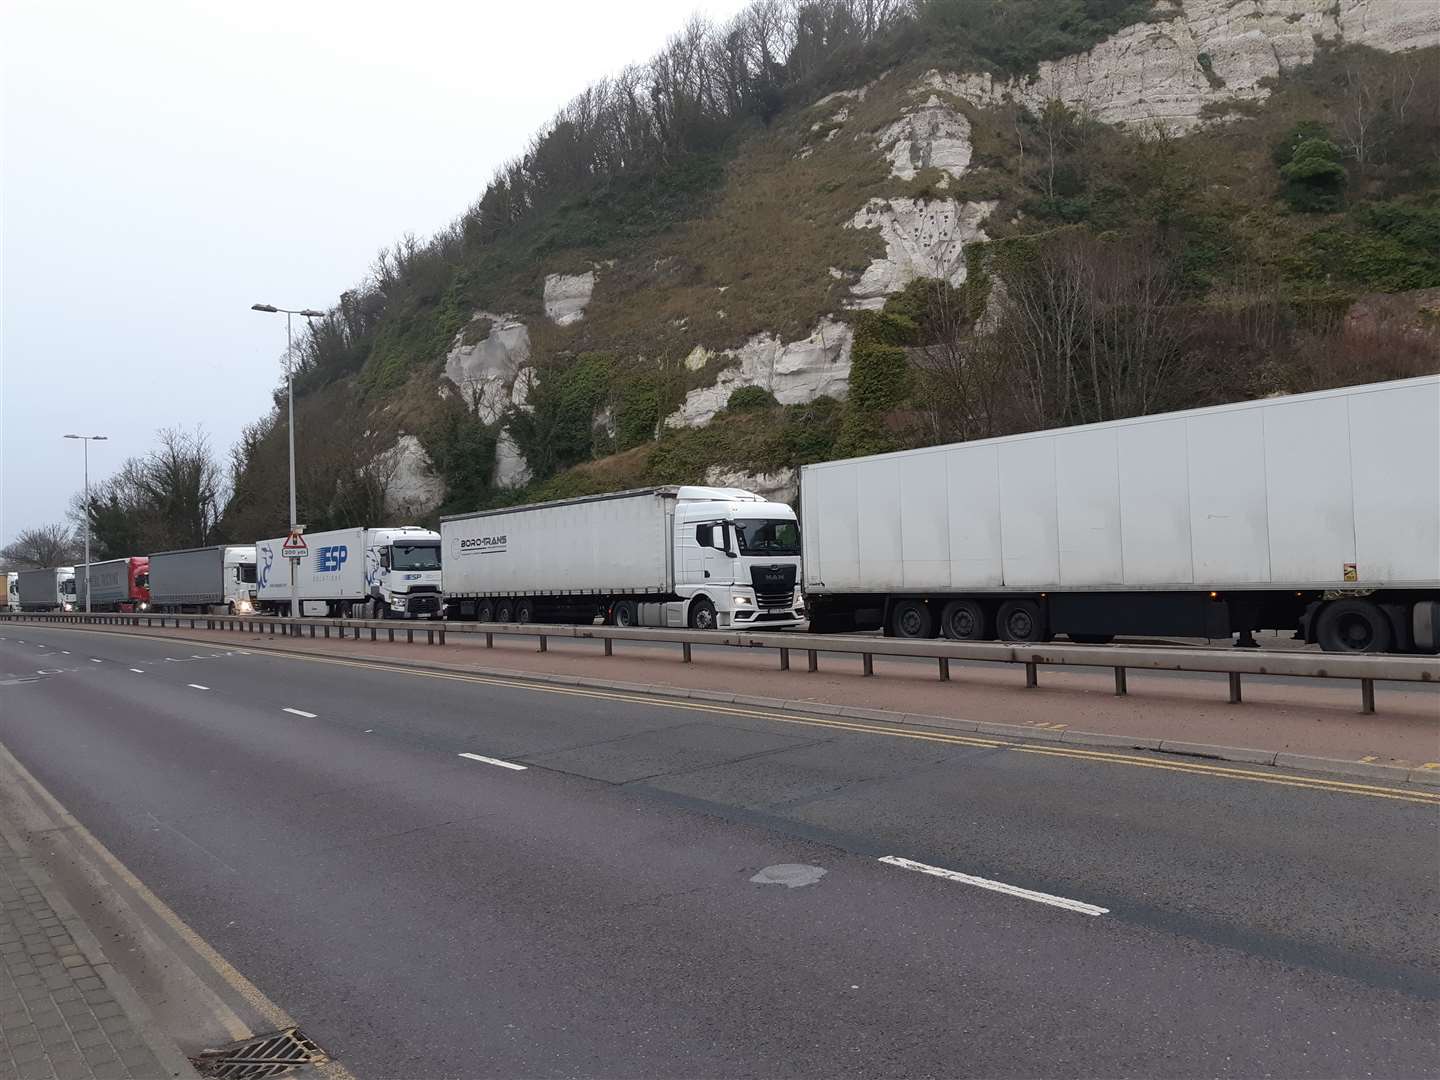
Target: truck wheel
x,y
622,613
702,614
1353,626
1020,620
485,611
966,620
504,611
524,611
912,619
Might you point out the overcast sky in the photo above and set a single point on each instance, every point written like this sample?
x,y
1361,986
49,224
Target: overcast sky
x,y
166,164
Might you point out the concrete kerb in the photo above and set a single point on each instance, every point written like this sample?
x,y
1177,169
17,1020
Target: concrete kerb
x,y
1398,774
135,1011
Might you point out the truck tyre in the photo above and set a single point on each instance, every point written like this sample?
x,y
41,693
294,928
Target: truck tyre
x,y
485,611
524,611
1020,620
1353,625
966,620
622,613
504,611
702,614
912,619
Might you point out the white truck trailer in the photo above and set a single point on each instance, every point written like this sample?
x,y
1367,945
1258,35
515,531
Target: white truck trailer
x,y
51,589
1318,513
210,580
381,573
670,556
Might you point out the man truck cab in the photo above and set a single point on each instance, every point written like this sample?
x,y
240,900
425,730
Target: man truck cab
x,y
737,562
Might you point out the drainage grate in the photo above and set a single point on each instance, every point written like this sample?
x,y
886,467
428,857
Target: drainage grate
x,y
262,1056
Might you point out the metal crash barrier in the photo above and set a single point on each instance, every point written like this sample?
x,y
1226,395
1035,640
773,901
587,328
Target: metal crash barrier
x,y
1366,670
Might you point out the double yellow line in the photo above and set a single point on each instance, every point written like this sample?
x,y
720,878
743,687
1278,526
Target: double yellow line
x,y
1223,772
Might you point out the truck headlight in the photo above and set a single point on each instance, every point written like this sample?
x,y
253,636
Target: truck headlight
x,y
244,607
741,600
144,606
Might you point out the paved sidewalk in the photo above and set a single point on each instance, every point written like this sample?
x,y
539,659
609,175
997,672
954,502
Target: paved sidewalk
x,y
64,1013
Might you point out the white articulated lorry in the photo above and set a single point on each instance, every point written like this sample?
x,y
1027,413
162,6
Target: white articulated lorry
x,y
700,557
380,573
210,580
51,589
1317,513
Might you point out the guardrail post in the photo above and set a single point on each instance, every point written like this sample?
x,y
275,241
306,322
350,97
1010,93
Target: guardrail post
x,y
784,659
813,660
609,646
391,632
1235,694
1367,696
867,663
327,631
373,633
944,669
312,630
685,651
409,636
441,631
1120,688
1032,675
429,636
544,644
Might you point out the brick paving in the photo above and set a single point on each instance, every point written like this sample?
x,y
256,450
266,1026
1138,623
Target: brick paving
x,y
58,1019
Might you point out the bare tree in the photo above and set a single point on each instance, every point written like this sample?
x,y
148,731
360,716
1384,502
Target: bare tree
x,y
42,547
964,382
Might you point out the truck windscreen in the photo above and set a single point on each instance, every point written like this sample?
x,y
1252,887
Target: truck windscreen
x,y
415,557
760,537
247,573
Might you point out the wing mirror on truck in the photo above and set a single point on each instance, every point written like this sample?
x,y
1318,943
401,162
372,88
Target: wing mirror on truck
x,y
705,536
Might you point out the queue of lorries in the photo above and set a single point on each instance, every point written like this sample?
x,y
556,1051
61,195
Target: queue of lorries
x,y
1315,513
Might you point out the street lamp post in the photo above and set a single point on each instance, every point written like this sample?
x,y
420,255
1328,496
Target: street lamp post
x,y
86,440
308,313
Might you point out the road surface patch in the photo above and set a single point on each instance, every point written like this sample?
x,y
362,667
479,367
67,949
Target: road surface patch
x,y
791,875
995,886
496,761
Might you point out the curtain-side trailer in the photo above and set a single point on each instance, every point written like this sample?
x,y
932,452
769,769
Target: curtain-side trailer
x,y
212,580
673,556
50,589
1318,513
114,585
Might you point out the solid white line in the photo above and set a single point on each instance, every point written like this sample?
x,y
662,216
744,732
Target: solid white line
x,y
197,686
300,712
137,671
996,886
496,761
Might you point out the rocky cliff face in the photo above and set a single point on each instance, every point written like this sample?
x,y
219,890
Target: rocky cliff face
x,y
1176,73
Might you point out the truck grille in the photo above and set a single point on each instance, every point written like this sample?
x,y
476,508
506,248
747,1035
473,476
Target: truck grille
x,y
775,599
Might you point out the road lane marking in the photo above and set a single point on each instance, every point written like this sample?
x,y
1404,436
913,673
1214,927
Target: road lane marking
x,y
94,661
995,886
496,761
877,728
299,712
137,671
64,652
197,686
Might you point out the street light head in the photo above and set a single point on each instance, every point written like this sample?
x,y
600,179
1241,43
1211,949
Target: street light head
x,y
100,438
311,313
72,436
271,308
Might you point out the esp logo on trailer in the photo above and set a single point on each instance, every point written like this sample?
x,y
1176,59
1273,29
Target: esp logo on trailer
x,y
329,560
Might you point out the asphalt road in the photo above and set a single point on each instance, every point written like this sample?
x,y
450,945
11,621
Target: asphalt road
x,y
425,914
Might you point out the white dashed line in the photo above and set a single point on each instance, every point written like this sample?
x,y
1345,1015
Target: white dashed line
x,y
496,761
64,652
996,886
94,661
299,712
137,671
197,686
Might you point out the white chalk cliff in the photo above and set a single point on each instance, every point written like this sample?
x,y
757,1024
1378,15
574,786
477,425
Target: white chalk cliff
x,y
485,371
412,489
567,296
922,239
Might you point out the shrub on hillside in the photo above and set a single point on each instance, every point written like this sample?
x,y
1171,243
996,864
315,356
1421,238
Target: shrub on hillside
x,y
1314,177
747,398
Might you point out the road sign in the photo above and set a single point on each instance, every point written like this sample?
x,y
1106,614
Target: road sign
x,y
295,547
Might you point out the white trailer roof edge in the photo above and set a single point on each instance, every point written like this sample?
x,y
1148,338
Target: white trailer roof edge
x,y
633,493
1149,418
203,547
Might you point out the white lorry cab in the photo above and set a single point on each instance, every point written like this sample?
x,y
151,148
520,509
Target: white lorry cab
x,y
700,557
50,589
12,591
377,573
